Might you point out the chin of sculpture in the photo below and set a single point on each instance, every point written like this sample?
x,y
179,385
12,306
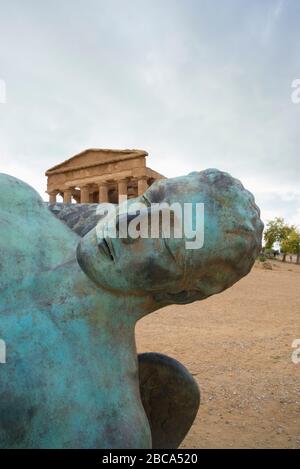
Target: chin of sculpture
x,y
69,305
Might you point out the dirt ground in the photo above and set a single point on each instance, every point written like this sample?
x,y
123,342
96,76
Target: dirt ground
x,y
238,345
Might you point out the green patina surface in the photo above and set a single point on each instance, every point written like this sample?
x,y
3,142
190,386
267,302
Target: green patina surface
x,y
68,311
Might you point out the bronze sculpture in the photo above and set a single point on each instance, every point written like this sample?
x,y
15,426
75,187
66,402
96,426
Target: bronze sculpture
x,y
69,307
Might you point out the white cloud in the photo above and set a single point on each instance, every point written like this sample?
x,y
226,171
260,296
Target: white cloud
x,y
272,19
193,88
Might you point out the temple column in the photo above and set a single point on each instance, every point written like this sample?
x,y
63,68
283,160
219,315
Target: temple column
x,y
52,197
84,195
67,196
103,192
122,188
142,185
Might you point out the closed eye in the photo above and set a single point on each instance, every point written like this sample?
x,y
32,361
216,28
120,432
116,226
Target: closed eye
x,y
105,248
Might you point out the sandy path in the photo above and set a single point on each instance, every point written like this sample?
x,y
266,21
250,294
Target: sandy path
x,y
238,346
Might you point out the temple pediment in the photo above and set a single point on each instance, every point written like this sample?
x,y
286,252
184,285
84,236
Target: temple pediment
x,y
95,156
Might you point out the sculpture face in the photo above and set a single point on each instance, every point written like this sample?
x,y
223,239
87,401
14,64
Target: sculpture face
x,y
126,265
164,267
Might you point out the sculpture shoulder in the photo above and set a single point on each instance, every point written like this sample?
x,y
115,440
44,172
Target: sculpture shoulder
x,y
31,238
18,194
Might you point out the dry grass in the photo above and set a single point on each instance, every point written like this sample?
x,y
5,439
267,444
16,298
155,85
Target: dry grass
x,y
238,347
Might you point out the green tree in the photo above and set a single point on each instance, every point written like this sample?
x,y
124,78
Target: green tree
x,y
277,231
291,245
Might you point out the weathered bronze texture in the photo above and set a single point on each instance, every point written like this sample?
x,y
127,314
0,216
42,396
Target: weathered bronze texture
x,y
69,306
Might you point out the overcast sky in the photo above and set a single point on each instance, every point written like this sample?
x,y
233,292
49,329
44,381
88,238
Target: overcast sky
x,y
196,83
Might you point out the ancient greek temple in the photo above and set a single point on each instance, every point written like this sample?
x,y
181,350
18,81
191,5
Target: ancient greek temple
x,y
100,175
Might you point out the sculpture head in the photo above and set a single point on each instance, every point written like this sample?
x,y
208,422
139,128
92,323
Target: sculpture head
x,y
166,268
